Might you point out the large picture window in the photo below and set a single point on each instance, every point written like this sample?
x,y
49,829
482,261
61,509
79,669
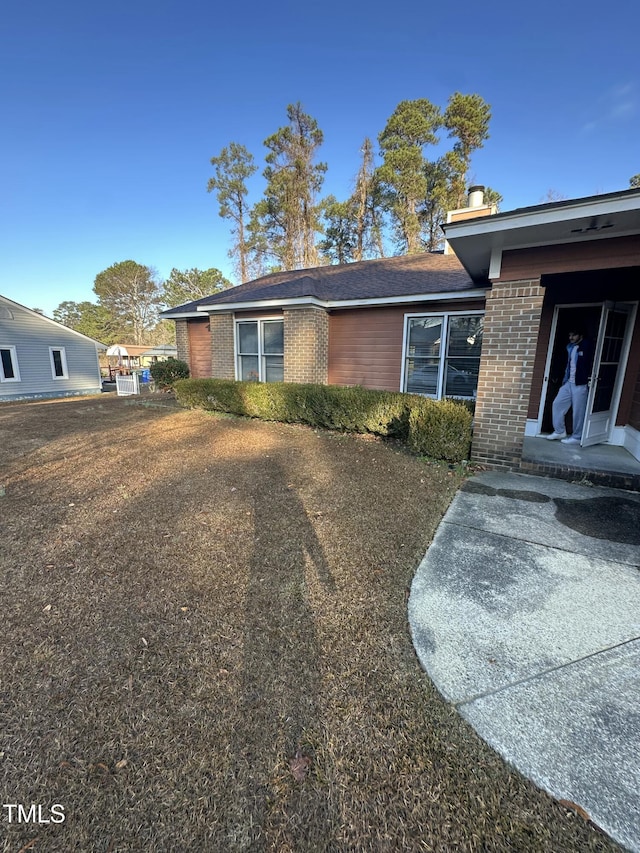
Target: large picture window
x,y
9,371
260,350
442,354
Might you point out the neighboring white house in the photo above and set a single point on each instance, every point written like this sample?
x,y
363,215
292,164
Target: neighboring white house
x,y
41,358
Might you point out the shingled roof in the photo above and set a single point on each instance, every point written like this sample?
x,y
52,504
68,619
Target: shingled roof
x,y
384,278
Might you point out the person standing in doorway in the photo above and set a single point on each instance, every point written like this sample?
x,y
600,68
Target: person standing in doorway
x,y
574,390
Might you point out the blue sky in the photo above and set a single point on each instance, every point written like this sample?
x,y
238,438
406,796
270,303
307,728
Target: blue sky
x,y
111,113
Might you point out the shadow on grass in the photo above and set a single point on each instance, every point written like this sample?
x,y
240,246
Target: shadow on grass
x,y
244,602
281,672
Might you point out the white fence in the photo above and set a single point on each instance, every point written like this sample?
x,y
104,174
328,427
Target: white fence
x,y
127,385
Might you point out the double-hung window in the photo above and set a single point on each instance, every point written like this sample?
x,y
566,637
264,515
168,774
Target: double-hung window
x,y
9,371
442,354
260,350
58,363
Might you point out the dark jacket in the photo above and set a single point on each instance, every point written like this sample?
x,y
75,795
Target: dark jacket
x,y
584,362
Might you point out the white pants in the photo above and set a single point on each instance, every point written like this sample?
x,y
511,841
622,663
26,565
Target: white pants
x,y
574,397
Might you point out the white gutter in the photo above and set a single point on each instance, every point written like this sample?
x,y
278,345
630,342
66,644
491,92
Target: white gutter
x,y
302,301
182,316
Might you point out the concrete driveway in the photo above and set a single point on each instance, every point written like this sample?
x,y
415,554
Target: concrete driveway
x,y
525,612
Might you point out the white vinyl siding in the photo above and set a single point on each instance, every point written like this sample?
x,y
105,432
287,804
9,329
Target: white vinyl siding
x,y
9,371
47,359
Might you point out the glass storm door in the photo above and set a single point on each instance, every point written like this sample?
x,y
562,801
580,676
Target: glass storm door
x,y
609,365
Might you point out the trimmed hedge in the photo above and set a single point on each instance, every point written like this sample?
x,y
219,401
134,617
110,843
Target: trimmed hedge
x,y
440,429
165,373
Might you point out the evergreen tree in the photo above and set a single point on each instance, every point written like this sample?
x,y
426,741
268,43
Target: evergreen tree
x,y
353,228
285,223
340,230
436,202
467,119
233,167
89,319
412,126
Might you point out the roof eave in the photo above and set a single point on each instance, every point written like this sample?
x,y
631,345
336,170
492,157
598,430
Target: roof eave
x,y
178,315
529,217
304,301
98,344
478,242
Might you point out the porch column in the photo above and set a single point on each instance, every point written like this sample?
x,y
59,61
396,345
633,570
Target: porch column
x,y
222,346
306,345
511,326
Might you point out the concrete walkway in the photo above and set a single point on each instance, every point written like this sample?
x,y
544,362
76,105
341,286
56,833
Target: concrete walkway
x,y
525,612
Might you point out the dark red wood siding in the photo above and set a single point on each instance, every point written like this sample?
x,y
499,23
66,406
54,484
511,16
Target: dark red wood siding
x,y
522,264
365,344
199,348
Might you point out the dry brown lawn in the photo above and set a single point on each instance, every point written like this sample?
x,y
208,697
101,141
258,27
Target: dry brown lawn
x,y
205,644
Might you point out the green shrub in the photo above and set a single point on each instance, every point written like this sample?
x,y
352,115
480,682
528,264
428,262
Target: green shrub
x,y
439,429
166,373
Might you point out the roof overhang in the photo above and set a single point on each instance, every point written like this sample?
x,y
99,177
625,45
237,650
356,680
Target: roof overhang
x,y
328,304
46,319
479,243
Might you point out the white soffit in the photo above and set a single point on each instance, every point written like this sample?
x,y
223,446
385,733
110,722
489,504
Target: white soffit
x,y
478,242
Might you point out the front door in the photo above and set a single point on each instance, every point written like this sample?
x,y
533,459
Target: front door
x,y
612,347
585,317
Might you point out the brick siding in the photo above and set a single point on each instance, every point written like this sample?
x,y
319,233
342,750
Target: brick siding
x,y
222,346
306,345
511,325
182,340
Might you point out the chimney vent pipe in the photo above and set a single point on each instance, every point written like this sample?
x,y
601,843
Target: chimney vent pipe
x,y
476,196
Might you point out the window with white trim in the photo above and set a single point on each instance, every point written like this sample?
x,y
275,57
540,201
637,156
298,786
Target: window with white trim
x,y
9,371
442,354
58,363
260,350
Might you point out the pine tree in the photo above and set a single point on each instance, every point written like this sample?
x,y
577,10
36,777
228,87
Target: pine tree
x,y
233,167
286,222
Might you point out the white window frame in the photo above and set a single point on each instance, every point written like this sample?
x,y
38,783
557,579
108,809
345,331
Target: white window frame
x,y
261,353
13,355
63,360
446,315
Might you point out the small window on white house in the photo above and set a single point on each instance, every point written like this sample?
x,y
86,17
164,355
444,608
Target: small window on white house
x,y
260,350
442,355
58,363
9,371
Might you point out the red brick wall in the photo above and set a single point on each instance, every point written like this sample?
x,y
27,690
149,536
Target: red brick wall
x,y
511,326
